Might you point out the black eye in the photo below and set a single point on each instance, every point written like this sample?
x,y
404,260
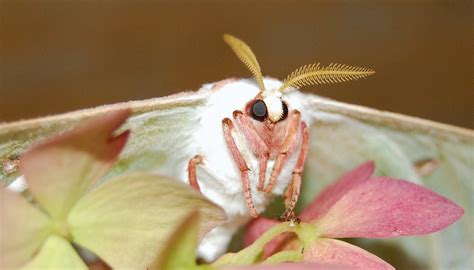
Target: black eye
x,y
285,111
259,110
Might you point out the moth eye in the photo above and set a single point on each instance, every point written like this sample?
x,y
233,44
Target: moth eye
x,y
259,110
285,111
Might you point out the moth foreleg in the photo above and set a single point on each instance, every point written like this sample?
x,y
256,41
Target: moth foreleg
x,y
228,128
256,143
192,177
288,143
293,192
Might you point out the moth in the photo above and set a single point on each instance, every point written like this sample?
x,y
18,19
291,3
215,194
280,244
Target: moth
x,y
242,142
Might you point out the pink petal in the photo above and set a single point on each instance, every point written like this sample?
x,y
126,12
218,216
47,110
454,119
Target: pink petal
x,y
329,196
256,228
318,207
342,253
23,229
58,171
292,266
260,225
385,207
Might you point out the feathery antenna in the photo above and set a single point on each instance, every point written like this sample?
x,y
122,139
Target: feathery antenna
x,y
314,74
246,55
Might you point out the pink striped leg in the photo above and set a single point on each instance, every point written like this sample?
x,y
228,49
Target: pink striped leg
x,y
196,160
256,143
228,127
293,191
288,144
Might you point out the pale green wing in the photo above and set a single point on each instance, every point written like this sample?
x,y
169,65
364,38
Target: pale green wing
x,y
435,155
160,127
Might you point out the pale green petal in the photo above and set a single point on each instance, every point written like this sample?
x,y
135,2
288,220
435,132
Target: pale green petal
x,y
127,220
23,229
59,170
56,254
181,247
252,253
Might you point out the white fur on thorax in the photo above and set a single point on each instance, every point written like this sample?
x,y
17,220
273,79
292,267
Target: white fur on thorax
x,y
274,107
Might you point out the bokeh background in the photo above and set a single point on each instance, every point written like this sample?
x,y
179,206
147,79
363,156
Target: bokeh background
x,y
58,56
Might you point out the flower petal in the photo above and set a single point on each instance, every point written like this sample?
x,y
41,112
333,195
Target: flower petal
x,y
180,247
56,253
61,169
23,229
252,254
313,211
329,196
385,207
338,252
256,228
127,220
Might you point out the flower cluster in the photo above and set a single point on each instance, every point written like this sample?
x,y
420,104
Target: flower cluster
x,y
127,220
363,206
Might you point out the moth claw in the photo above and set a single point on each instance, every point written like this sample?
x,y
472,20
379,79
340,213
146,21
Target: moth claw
x,y
289,215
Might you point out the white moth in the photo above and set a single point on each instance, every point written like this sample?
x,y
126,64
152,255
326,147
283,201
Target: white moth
x,y
242,142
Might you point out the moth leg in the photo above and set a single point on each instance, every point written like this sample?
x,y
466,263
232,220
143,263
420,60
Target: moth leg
x,y
196,160
256,143
228,127
288,144
293,192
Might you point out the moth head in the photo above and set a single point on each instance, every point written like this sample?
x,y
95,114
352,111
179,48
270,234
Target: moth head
x,y
269,108
312,74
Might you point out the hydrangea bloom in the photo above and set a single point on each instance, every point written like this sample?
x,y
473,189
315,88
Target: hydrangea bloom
x,y
121,220
362,205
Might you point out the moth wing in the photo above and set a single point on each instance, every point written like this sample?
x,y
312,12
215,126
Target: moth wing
x,y
432,154
161,129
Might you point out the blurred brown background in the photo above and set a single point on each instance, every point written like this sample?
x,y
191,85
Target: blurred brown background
x,y
58,56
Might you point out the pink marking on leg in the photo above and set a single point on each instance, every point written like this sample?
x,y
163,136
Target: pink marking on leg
x,y
285,149
197,159
258,146
228,127
293,191
263,162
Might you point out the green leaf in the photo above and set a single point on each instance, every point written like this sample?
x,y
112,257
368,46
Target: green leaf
x,y
23,229
56,253
127,220
180,247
